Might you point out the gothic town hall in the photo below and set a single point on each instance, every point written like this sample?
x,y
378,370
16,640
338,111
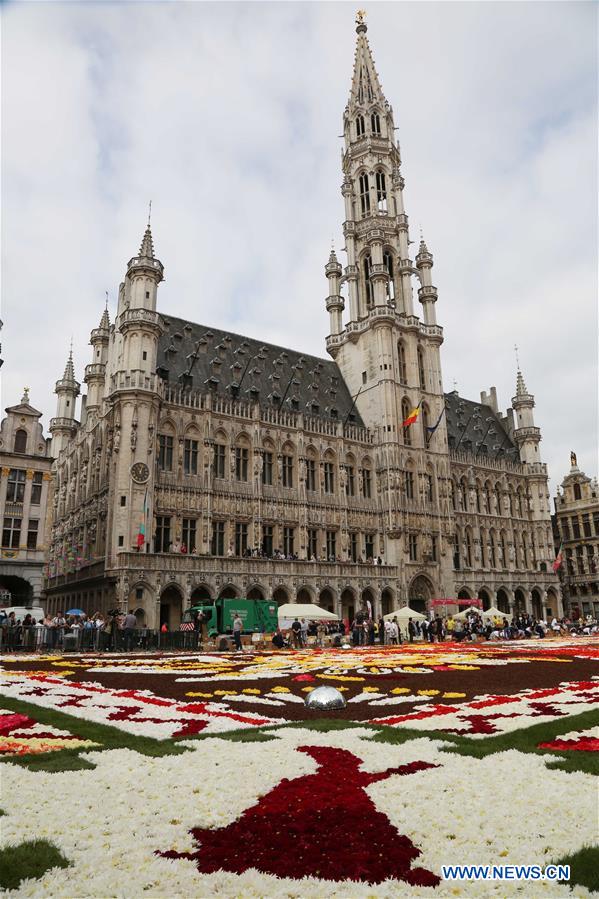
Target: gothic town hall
x,y
201,463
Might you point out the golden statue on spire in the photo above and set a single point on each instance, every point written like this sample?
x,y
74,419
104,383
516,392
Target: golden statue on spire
x,y
360,16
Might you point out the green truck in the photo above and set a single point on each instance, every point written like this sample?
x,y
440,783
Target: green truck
x,y
258,615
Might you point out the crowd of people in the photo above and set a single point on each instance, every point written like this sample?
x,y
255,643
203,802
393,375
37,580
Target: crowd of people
x,y
95,631
277,555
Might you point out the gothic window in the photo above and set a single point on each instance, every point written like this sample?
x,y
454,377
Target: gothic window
x,y
350,482
366,483
241,538
577,493
218,463
519,500
364,194
217,546
163,533
288,540
504,551
188,537
15,487
310,474
367,281
241,463
312,543
477,495
409,475
36,488
369,546
452,492
388,263
165,452
401,362
267,539
421,377
468,549
329,477
405,411
21,441
267,468
464,495
381,191
429,487
425,425
413,547
360,127
375,123
456,552
190,457
487,497
331,538
11,533
287,471
498,499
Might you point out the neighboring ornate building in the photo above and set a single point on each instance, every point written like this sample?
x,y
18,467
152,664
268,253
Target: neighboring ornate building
x,y
192,435
25,466
577,534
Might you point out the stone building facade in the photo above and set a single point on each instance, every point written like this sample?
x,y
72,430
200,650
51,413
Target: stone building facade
x,y
577,533
193,436
25,485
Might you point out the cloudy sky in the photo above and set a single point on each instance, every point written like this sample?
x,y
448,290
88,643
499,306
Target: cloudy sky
x,y
227,116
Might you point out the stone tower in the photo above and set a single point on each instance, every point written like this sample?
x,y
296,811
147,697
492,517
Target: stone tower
x,y
134,394
64,425
388,356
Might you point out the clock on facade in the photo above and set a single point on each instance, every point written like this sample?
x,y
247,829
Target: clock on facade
x,y
140,472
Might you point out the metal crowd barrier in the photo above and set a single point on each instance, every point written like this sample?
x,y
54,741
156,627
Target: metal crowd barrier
x,y
79,640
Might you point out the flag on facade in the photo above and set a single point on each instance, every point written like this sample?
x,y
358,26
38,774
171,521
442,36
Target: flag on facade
x,y
141,536
431,429
411,417
557,564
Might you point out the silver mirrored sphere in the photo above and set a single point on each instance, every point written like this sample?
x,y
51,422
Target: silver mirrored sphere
x,y
325,698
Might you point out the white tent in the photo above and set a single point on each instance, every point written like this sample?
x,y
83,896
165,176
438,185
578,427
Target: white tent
x,y
403,614
292,610
489,613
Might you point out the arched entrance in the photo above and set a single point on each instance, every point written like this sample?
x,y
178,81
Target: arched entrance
x,y
327,600
464,594
368,600
228,592
519,601
280,596
200,594
348,604
484,595
420,594
171,607
140,617
503,602
551,606
21,591
256,593
386,601
304,595
537,605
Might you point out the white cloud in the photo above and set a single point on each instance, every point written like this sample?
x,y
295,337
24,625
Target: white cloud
x,y
227,116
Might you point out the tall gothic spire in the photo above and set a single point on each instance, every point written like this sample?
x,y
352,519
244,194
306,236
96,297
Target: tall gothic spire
x,y
147,244
520,385
69,371
366,88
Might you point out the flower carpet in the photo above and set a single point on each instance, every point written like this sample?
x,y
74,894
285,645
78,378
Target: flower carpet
x,y
204,774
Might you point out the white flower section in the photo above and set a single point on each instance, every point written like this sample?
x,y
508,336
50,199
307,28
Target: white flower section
x,y
507,808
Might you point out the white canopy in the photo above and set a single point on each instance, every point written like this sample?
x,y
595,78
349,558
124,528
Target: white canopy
x,y
292,610
489,613
403,614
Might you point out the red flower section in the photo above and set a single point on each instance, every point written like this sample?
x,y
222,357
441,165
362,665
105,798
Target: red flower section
x,y
9,723
584,744
323,825
303,677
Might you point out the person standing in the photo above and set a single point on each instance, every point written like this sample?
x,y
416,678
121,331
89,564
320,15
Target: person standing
x,y
129,625
296,630
411,630
237,629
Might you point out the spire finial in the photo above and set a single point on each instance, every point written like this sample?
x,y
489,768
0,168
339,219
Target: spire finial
x,y
106,306
361,27
149,213
517,359
25,397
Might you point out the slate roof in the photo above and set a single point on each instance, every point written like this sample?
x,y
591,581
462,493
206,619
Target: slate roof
x,y
231,365
469,422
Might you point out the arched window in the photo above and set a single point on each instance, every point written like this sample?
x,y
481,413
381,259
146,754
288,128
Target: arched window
x,y
367,281
364,194
405,411
360,127
421,377
401,362
504,550
21,441
464,494
375,123
468,549
498,510
477,494
388,263
488,498
452,490
577,492
426,437
381,191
